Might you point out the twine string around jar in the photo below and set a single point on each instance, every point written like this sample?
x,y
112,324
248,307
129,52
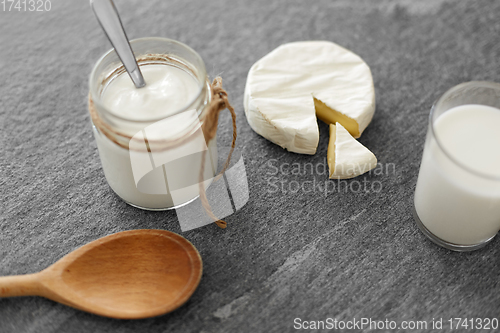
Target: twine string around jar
x,y
219,102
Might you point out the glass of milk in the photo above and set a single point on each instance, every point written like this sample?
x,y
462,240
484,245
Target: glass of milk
x,y
151,140
457,197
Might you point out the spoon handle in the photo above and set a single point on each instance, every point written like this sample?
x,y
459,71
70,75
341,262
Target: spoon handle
x,y
108,17
20,285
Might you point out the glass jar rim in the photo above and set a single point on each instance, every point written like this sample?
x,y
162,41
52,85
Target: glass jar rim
x,y
480,84
96,96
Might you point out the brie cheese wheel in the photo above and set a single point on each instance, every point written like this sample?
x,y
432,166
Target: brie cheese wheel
x,y
287,88
347,158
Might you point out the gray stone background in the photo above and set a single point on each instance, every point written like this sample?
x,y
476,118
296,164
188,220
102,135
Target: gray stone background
x,y
286,254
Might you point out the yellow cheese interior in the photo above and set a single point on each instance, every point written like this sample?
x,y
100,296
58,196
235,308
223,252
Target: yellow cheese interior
x,y
330,116
330,155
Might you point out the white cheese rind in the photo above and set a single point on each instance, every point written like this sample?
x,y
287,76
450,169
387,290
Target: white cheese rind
x,y
288,122
351,157
280,88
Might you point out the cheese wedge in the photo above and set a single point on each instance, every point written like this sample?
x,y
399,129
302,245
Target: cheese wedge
x,y
287,88
347,158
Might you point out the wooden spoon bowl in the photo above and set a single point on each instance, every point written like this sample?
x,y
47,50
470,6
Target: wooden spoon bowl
x,y
128,275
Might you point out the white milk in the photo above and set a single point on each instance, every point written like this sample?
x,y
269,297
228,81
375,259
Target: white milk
x,y
156,179
457,205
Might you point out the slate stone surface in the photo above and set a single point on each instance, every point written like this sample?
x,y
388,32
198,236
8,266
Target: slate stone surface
x,y
287,253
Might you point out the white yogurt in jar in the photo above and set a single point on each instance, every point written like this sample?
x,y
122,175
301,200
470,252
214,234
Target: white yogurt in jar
x,y
168,89
145,175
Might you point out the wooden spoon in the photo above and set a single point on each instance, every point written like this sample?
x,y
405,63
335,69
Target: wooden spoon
x,y
128,275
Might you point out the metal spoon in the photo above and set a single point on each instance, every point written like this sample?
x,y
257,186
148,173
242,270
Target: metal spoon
x,y
129,275
108,18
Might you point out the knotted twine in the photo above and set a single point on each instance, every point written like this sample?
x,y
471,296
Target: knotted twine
x,y
218,103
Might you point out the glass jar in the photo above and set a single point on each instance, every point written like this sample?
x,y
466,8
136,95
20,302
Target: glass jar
x,y
457,204
154,163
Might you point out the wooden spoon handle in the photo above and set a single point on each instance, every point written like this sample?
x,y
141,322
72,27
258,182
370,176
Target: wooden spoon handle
x,y
20,285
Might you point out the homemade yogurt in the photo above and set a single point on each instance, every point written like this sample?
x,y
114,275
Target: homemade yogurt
x,y
148,175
